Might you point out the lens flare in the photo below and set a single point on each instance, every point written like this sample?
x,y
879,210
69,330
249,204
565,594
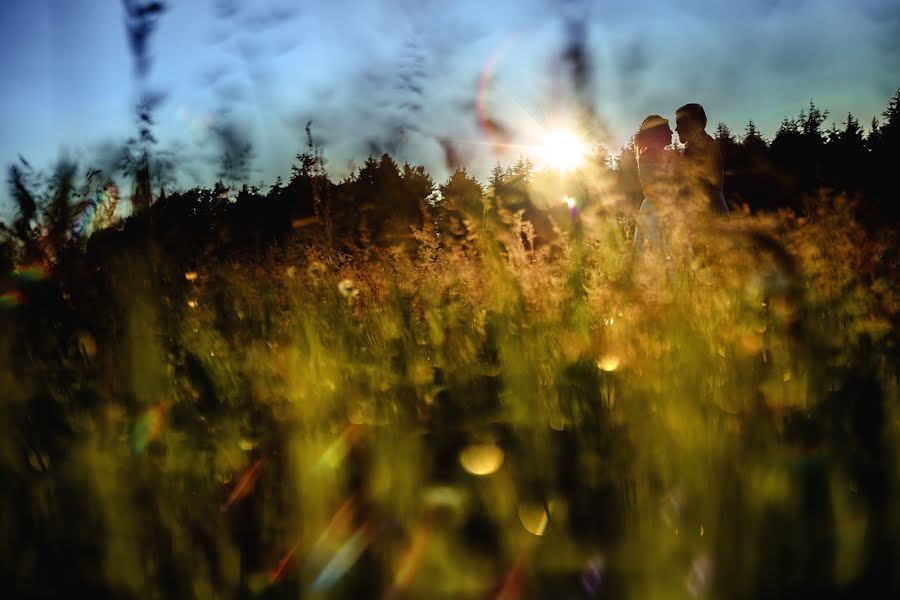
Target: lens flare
x,y
608,363
410,561
563,150
147,428
534,517
592,576
512,585
495,132
338,527
98,212
11,299
481,459
244,485
344,559
84,224
283,563
332,457
699,575
31,272
443,497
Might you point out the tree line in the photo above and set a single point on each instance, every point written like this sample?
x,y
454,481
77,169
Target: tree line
x,y
381,199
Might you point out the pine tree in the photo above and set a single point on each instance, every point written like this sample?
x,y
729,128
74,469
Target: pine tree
x,y
890,131
852,133
497,180
601,158
751,134
275,190
884,142
728,145
810,125
892,112
846,152
522,171
417,183
462,192
789,126
723,134
873,140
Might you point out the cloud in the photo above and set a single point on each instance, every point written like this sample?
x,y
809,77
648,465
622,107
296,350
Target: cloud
x,y
763,59
403,76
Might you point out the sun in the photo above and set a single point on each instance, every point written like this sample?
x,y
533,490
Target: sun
x,y
563,150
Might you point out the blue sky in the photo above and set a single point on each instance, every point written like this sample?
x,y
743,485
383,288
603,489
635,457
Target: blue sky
x,y
402,75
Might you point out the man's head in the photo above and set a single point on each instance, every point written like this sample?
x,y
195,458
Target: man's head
x,y
689,119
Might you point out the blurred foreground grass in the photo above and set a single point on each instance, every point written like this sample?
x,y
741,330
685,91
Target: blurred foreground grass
x,y
457,417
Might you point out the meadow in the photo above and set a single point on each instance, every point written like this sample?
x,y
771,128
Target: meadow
x,y
198,405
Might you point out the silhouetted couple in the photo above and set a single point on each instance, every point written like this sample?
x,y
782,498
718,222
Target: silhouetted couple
x,y
680,190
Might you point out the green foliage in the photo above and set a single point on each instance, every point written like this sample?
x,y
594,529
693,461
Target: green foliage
x,y
228,418
344,391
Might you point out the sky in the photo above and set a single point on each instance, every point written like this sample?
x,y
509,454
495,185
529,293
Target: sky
x,y
432,82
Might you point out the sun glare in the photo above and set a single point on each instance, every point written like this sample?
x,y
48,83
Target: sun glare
x,y
563,150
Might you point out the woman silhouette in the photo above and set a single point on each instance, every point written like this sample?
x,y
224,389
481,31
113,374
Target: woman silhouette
x,y
656,170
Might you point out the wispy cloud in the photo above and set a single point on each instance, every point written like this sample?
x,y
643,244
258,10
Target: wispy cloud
x,y
403,76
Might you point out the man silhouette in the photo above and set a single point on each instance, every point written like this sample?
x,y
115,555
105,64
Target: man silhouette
x,y
703,168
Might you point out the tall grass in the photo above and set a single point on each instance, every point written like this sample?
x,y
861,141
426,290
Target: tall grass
x,y
479,416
